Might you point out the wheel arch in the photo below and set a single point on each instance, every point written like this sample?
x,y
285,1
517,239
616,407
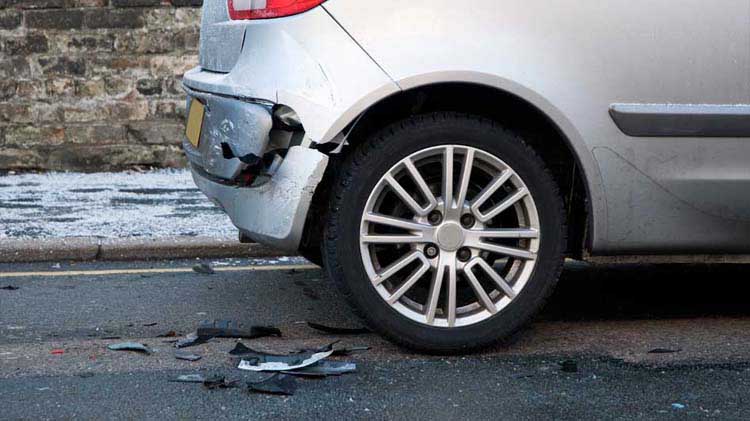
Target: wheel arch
x,y
547,130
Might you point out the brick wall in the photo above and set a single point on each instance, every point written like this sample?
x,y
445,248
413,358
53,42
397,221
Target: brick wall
x,y
94,84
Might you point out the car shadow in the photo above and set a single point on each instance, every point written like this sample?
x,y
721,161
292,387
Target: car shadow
x,y
611,292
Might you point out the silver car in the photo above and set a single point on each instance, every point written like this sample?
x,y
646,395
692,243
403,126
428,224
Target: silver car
x,y
442,158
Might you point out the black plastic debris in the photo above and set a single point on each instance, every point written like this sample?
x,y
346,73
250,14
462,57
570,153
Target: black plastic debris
x,y
220,382
569,366
191,340
204,268
664,351
189,378
130,346
150,324
324,369
278,384
241,349
187,356
231,329
10,288
339,330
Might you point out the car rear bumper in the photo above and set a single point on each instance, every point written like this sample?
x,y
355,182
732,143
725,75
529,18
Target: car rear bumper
x,y
272,213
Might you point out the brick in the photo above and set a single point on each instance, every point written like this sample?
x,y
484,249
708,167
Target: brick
x,y
149,87
85,112
16,67
118,86
151,42
30,89
15,113
29,44
22,159
10,19
62,66
113,19
90,88
36,4
54,19
30,135
103,132
60,87
187,3
7,89
135,3
128,110
156,132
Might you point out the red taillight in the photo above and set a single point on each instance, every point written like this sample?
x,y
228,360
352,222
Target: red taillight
x,y
266,9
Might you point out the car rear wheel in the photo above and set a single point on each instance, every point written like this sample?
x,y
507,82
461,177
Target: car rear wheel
x,y
445,232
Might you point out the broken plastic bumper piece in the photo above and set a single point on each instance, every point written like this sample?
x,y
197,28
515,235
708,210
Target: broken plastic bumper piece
x,y
272,213
223,131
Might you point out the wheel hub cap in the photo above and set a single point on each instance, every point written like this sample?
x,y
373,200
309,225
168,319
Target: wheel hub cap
x,y
450,236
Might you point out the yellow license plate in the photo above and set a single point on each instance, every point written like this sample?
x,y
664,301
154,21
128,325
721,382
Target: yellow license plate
x,y
195,122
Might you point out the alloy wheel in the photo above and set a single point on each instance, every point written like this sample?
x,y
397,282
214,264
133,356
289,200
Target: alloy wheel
x,y
449,236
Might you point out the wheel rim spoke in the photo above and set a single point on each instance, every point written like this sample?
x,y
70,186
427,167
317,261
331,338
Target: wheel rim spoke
x,y
392,239
504,250
423,187
405,196
448,177
409,283
392,221
435,288
463,185
503,233
488,191
481,294
499,281
398,265
451,296
502,206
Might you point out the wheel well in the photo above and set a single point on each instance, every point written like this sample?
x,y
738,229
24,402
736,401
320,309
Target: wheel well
x,y
509,110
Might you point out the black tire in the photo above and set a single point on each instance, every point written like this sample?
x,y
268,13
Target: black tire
x,y
360,171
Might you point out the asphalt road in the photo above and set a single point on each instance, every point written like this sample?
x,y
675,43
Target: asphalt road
x,y
605,319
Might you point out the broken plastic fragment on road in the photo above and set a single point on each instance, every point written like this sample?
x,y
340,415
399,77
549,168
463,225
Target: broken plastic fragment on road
x,y
230,329
187,356
324,369
191,339
10,288
339,330
130,346
260,361
219,382
189,378
277,384
225,329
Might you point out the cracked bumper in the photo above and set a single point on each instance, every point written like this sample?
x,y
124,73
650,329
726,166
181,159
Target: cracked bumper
x,y
273,213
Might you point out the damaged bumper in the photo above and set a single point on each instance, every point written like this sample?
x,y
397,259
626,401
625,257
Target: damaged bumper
x,y
273,213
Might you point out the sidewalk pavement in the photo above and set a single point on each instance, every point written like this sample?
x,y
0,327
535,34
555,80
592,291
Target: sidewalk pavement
x,y
113,216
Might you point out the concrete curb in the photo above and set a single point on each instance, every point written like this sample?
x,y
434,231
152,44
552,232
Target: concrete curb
x,y
89,249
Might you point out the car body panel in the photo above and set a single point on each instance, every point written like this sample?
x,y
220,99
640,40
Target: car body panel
x,y
573,60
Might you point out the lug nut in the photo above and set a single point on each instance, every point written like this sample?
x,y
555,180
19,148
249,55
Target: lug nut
x,y
435,217
464,254
468,221
431,251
